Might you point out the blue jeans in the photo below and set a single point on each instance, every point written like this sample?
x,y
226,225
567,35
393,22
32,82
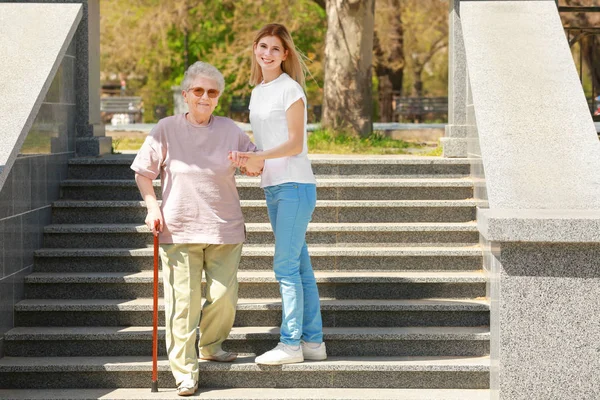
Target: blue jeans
x,y
291,206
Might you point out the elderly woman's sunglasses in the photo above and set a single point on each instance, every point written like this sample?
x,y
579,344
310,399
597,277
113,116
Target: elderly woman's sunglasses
x,y
199,92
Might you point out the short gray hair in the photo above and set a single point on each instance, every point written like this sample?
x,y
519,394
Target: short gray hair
x,y
200,68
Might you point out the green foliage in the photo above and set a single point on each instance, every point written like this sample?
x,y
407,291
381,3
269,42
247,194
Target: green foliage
x,y
426,46
147,41
115,145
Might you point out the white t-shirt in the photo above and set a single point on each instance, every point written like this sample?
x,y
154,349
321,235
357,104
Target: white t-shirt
x,y
268,105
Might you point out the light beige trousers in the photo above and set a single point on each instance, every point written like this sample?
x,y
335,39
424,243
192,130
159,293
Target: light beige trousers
x,y
182,266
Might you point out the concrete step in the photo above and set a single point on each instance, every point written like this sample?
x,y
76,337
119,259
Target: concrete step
x,y
248,394
351,234
327,189
323,258
137,341
110,212
336,372
259,312
111,167
260,284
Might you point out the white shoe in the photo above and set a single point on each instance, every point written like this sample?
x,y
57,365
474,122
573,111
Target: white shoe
x,y
313,352
187,387
282,354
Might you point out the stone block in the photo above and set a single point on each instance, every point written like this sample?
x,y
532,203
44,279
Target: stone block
x,y
544,321
21,173
93,146
39,181
6,305
6,197
13,246
454,147
67,82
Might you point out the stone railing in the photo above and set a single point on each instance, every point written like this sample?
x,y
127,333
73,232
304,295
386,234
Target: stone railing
x,y
518,111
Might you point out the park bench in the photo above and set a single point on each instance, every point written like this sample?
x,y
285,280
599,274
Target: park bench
x,y
130,105
421,108
239,111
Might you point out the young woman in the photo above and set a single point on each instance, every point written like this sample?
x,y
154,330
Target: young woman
x,y
278,119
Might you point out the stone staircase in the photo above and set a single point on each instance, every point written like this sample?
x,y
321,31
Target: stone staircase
x,y
398,264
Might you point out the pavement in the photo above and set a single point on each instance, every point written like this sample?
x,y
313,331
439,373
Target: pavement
x,y
377,126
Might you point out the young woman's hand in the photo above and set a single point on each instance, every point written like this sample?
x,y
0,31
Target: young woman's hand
x,y
254,166
241,158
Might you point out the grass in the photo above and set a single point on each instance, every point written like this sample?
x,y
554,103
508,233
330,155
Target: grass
x,y
125,143
321,142
126,140
37,142
324,142
435,152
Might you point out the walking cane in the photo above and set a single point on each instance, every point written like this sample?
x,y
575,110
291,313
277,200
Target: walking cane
x,y
155,314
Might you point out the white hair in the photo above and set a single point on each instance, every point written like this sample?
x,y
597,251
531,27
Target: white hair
x,y
200,68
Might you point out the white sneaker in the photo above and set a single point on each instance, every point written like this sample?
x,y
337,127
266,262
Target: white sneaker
x,y
282,354
187,388
313,352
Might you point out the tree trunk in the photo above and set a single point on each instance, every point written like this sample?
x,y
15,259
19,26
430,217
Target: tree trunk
x,y
347,98
590,43
385,86
389,55
591,55
386,99
417,92
417,82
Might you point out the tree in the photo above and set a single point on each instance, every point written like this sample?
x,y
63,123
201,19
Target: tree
x,y
347,97
586,42
425,35
154,41
388,52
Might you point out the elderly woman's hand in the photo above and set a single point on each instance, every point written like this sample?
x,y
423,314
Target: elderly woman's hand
x,y
154,215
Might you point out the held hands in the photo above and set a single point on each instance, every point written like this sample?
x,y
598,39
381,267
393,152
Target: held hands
x,y
244,171
249,163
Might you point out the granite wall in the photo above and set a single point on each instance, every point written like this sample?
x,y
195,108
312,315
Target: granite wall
x,y
33,183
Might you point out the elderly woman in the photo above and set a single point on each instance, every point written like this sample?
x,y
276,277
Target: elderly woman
x,y
200,221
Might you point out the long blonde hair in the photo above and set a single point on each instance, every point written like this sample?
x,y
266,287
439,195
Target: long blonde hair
x,y
293,65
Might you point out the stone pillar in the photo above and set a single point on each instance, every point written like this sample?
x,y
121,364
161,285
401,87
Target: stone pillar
x,y
454,143
91,139
179,106
545,303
